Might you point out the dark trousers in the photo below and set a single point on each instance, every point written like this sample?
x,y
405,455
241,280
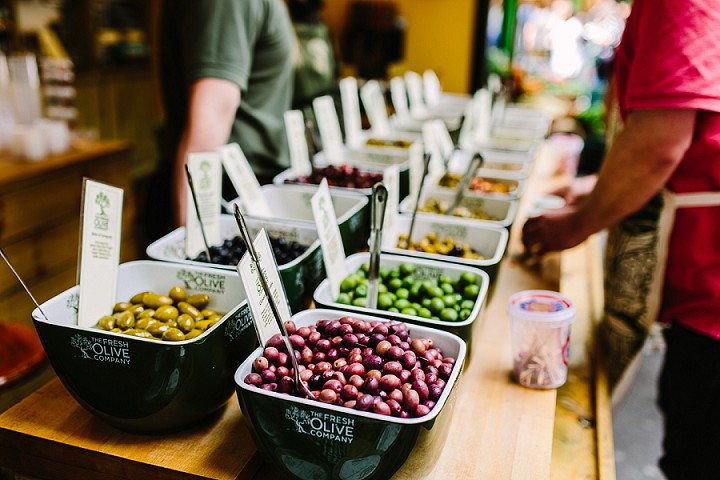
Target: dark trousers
x,y
689,398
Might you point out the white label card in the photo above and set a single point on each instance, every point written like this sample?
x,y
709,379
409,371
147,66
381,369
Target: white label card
x,y
391,180
299,155
482,101
465,138
244,180
330,239
399,98
413,82
206,173
263,319
329,127
416,166
432,145
374,103
443,138
99,250
431,87
351,111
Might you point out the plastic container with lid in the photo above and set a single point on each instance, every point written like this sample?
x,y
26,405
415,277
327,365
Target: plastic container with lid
x,y
540,323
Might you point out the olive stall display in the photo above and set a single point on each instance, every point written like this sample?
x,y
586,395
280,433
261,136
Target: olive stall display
x,y
344,175
174,317
388,142
431,243
399,291
371,366
232,249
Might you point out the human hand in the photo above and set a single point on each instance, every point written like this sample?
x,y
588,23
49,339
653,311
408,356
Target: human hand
x,y
555,230
575,192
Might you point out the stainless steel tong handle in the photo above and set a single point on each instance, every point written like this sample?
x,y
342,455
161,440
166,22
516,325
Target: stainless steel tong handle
x,y
475,163
377,219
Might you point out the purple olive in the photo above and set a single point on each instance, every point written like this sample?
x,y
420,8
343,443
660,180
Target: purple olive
x,y
411,401
372,362
349,392
328,396
404,376
393,368
253,379
290,327
389,382
395,407
434,392
395,353
408,360
268,376
260,364
286,385
323,345
271,353
444,370
371,386
421,411
269,386
422,389
381,408
365,402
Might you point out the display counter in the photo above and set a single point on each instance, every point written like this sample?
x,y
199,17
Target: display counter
x,y
499,429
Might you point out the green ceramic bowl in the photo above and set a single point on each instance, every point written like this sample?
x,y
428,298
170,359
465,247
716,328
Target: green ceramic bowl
x,y
299,277
307,439
150,386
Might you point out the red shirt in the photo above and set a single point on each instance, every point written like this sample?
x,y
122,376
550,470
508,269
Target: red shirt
x,y
670,58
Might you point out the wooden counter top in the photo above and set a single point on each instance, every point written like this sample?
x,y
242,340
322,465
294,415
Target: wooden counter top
x,y
14,170
499,429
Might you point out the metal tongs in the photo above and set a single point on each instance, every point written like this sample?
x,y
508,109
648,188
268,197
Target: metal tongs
x,y
300,386
197,211
426,167
377,219
19,279
475,163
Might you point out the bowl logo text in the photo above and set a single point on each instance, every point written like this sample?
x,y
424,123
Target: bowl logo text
x,y
322,425
207,282
102,349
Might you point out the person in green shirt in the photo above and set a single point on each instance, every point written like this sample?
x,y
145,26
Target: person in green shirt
x,y
226,76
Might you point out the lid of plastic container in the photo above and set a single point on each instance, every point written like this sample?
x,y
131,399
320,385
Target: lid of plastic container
x,y
550,308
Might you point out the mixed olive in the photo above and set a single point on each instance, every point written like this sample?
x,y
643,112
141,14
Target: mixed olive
x,y
477,184
386,142
173,317
431,243
400,290
433,205
231,251
340,176
368,366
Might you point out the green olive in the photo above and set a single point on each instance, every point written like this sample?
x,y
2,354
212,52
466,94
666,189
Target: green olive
x,y
203,325
166,312
142,334
157,329
188,309
136,309
207,313
147,313
116,330
125,320
145,322
199,300
193,333
138,298
107,322
178,294
173,335
153,300
185,322
121,306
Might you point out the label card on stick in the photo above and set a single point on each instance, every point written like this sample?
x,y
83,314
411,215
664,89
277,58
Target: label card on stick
x,y
391,180
399,98
244,180
482,101
374,103
265,324
432,145
413,82
329,126
443,138
329,234
431,87
351,111
299,155
99,250
465,138
206,173
416,161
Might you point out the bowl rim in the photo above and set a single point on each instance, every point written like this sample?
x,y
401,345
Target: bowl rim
x,y
356,259
308,317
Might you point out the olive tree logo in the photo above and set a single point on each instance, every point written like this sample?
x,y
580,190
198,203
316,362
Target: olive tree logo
x,y
300,418
204,181
102,222
81,343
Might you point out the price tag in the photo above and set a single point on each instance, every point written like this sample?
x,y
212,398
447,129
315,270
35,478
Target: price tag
x,y
244,180
206,173
416,165
399,98
413,82
432,145
263,319
431,88
374,103
391,180
329,234
482,101
351,111
99,250
299,155
329,126
465,138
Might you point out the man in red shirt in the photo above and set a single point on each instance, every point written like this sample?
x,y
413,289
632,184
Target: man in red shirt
x,y
668,90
